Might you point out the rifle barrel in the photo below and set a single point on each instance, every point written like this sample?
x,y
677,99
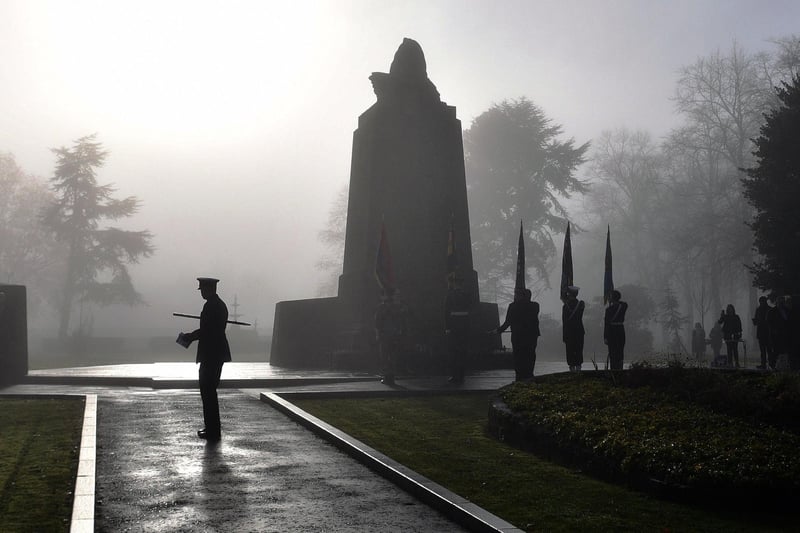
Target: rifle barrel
x,y
184,315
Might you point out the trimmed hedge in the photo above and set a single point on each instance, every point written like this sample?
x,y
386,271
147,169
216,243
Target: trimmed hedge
x,y
687,433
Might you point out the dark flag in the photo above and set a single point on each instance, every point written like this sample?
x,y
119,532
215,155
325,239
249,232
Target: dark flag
x,y
608,280
566,265
384,271
520,281
452,258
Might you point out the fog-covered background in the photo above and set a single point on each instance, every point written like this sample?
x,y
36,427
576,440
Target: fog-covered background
x,y
232,121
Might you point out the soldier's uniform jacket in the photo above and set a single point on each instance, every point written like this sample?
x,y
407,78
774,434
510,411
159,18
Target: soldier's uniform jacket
x,y
523,317
572,319
212,345
615,317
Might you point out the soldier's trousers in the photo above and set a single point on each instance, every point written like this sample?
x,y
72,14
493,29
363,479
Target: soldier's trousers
x,y
616,347
209,381
524,361
574,346
389,350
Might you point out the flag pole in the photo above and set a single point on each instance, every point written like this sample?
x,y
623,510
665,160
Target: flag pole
x,y
519,282
608,279
566,264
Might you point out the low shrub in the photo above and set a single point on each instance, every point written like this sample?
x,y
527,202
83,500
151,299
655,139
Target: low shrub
x,y
685,431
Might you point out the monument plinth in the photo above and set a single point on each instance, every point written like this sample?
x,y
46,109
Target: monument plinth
x,y
407,173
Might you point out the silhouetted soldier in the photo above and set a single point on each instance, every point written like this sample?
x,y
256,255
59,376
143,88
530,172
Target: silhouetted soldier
x,y
457,307
698,342
732,332
390,327
572,328
523,318
614,330
762,330
212,352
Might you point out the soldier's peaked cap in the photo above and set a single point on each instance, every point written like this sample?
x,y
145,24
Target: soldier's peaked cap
x,y
207,281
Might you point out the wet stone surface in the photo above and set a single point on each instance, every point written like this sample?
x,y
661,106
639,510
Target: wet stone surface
x,y
267,475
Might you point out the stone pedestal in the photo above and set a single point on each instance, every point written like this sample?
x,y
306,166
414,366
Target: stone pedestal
x,y
407,173
13,334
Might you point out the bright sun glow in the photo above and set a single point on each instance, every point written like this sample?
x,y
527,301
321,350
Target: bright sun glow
x,y
184,70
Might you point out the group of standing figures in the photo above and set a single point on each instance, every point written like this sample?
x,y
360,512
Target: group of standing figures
x,y
777,331
522,317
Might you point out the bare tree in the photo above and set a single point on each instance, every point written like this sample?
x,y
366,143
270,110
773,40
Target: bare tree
x,y
723,98
628,170
785,63
29,254
333,238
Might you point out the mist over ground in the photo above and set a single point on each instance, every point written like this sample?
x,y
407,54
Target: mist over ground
x,y
232,122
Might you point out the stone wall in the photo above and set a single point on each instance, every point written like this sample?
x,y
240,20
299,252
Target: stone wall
x,y
13,334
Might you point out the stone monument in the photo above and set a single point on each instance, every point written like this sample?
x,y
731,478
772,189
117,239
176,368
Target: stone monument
x,y
407,173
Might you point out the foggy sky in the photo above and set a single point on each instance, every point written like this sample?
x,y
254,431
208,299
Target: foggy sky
x,y
232,121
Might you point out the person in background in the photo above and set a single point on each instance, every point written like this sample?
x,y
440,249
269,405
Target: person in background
x,y
779,332
732,333
715,340
762,331
794,335
457,306
698,342
614,330
390,327
572,328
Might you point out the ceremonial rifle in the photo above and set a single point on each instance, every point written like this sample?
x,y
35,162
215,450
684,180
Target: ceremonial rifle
x,y
184,315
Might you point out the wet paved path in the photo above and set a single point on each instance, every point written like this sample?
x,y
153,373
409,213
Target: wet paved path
x,y
267,475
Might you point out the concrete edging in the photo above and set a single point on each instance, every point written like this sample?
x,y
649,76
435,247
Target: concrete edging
x,y
184,383
453,506
84,496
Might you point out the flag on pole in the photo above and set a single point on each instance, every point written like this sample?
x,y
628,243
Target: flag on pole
x,y
520,280
452,258
608,280
384,271
566,265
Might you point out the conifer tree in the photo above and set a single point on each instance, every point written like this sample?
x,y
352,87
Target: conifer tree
x,y
96,268
773,187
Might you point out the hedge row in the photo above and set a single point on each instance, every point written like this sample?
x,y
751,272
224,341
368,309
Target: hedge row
x,y
689,433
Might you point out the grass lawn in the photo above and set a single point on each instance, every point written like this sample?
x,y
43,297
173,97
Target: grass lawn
x,y
39,447
444,438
